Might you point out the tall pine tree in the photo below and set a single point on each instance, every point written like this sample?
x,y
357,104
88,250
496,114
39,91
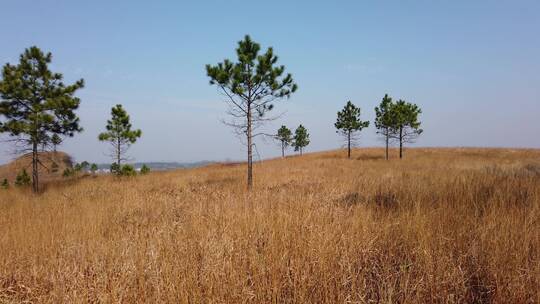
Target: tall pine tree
x,y
385,120
120,135
348,122
251,86
406,126
35,105
301,139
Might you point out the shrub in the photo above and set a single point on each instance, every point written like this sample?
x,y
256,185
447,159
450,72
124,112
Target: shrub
x,y
5,184
145,169
128,170
68,172
22,179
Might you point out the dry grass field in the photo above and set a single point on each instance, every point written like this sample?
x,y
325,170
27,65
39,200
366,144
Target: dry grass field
x,y
440,226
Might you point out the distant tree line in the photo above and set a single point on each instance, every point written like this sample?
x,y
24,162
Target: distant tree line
x,y
38,111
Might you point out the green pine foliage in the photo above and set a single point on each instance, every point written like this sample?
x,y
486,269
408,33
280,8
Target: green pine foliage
x,y
128,170
119,134
69,172
252,85
284,136
348,122
301,139
22,179
36,104
55,141
145,169
93,168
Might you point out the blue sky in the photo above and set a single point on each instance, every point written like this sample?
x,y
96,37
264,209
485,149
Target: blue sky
x,y
473,67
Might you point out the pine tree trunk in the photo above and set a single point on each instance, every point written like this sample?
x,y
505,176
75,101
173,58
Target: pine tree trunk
x,y
387,137
401,143
250,146
349,144
118,153
35,162
282,149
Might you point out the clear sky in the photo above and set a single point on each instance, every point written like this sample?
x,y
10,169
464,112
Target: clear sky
x,y
473,67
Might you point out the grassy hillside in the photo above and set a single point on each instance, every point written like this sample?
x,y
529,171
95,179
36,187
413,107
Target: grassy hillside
x,y
441,225
46,170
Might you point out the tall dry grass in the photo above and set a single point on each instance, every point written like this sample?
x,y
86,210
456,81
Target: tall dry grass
x,y
442,225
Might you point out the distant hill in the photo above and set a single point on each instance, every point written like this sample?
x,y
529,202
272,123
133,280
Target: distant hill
x,y
47,170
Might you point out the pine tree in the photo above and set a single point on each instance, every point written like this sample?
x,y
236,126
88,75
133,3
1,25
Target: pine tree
x,y
55,141
36,104
348,122
128,170
93,168
22,179
406,127
284,136
145,169
85,165
5,184
120,135
251,85
301,139
384,120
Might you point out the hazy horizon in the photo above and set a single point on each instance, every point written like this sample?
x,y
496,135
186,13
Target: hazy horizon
x,y
471,67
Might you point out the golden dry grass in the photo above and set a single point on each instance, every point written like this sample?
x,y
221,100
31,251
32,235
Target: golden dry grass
x,y
442,225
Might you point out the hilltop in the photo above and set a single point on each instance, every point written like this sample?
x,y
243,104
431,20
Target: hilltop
x,y
47,170
440,225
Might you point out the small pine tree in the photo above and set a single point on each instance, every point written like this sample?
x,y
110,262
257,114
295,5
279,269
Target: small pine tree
x,y
55,141
301,139
68,172
145,169
128,170
348,122
5,184
119,134
284,135
93,168
84,165
22,179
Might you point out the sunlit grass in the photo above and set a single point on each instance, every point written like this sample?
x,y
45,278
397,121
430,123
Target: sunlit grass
x,y
441,225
